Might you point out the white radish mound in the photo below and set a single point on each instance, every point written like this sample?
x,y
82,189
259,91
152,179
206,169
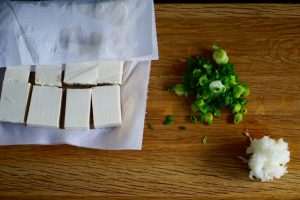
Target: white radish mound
x,y
268,159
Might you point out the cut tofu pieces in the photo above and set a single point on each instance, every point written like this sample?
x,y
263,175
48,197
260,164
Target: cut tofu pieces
x,y
13,102
110,72
48,75
84,73
17,73
78,106
44,109
106,106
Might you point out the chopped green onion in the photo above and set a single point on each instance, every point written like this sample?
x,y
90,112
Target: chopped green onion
x,y
193,119
220,56
213,85
246,91
233,80
169,120
217,113
208,118
194,107
203,80
238,117
236,108
206,94
238,91
244,111
217,87
179,89
150,126
197,72
201,117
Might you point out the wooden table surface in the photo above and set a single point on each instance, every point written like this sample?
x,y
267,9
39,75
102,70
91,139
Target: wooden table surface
x,y
264,43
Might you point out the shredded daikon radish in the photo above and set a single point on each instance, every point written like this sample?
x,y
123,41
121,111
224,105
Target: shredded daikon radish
x,y
268,158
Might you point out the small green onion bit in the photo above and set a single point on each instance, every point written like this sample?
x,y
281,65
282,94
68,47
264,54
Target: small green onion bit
x,y
203,80
194,107
193,119
238,91
244,111
237,107
150,126
169,120
208,118
179,89
217,113
246,91
220,56
238,117
201,117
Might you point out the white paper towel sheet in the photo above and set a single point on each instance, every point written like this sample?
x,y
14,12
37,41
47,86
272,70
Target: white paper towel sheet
x,y
127,136
58,32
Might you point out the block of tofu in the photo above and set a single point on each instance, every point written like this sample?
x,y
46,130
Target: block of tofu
x,y
13,102
48,75
78,106
106,106
17,73
44,109
110,72
83,73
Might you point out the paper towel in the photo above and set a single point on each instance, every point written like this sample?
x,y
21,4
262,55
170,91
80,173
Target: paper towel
x,y
57,32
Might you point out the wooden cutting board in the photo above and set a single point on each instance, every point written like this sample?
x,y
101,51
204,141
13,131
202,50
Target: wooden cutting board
x,y
264,43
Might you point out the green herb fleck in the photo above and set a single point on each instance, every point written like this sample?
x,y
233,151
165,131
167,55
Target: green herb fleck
x,y
150,126
169,120
238,118
193,119
208,118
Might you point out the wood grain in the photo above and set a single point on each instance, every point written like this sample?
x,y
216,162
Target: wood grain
x,y
263,41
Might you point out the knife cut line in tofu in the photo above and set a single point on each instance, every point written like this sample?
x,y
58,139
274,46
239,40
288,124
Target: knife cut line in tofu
x,y
106,106
45,105
110,72
78,106
84,73
13,102
48,75
17,73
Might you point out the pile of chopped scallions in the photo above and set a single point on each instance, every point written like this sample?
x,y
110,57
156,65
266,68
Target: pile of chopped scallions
x,y
213,85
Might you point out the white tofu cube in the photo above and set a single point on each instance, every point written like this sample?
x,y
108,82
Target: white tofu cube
x,y
106,106
78,106
17,73
110,72
44,110
13,102
48,75
83,73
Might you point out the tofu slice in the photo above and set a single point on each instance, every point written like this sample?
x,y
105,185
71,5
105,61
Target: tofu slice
x,y
48,75
78,106
110,72
83,73
13,102
106,106
17,73
44,110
